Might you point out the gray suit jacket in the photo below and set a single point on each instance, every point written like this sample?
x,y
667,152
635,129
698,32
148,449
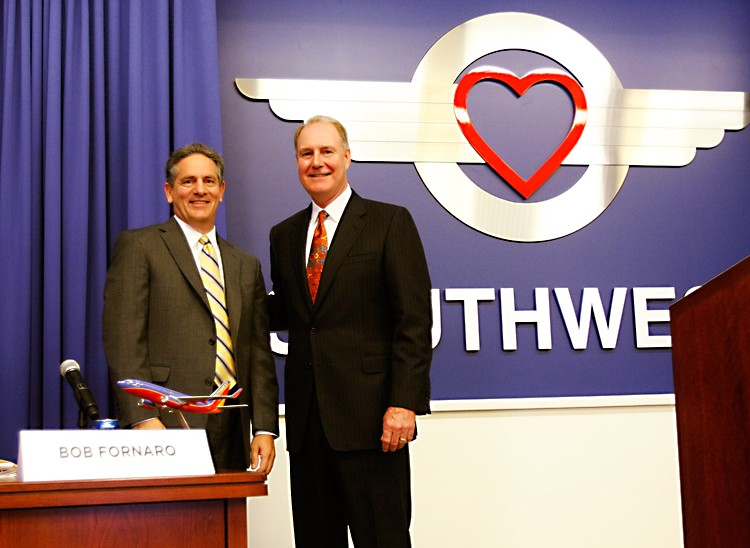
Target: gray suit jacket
x,y
158,325
365,344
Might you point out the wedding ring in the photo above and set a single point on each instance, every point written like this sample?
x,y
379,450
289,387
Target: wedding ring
x,y
402,439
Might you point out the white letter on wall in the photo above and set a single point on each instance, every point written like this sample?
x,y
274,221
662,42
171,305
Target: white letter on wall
x,y
510,317
578,329
643,316
437,329
470,297
279,347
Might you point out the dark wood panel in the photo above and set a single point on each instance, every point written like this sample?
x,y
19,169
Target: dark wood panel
x,y
16,494
154,524
710,339
187,511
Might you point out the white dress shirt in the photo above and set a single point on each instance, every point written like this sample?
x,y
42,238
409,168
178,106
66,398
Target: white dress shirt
x,y
335,210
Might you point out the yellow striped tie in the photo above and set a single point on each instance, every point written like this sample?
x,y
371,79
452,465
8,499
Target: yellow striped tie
x,y
211,276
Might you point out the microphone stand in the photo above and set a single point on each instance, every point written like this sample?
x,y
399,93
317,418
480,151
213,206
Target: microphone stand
x,y
83,421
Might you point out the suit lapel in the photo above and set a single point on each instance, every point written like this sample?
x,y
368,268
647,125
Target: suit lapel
x,y
231,263
298,241
351,225
178,247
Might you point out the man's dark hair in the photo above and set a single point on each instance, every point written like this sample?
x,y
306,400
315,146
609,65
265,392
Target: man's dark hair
x,y
189,150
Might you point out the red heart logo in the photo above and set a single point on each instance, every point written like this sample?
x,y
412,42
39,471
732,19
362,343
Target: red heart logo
x,y
525,187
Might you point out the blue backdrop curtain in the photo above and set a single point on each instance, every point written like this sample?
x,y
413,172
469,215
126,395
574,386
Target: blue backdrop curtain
x,y
95,95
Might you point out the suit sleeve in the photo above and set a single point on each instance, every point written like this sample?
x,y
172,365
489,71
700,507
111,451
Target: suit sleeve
x,y
263,382
275,301
124,323
408,282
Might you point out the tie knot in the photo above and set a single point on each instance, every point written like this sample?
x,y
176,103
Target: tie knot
x,y
322,215
204,240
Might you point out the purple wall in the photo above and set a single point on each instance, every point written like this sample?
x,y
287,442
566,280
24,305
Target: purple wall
x,y
667,227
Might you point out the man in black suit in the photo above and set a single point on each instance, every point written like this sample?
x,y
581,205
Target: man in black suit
x,y
159,327
357,370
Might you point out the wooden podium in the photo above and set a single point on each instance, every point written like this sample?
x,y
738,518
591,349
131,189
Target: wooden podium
x,y
183,511
711,363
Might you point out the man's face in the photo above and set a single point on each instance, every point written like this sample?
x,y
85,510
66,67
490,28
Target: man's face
x,y
197,192
322,162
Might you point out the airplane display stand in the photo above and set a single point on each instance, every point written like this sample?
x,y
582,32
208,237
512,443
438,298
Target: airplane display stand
x,y
178,511
711,362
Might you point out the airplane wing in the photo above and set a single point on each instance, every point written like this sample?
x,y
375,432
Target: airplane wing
x,y
194,399
221,393
416,122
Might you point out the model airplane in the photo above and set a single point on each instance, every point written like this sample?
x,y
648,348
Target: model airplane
x,y
154,396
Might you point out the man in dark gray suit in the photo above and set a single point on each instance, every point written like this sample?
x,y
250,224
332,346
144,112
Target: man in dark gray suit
x,y
159,327
357,370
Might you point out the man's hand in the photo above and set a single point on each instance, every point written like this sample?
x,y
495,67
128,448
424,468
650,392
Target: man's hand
x,y
262,448
398,428
150,424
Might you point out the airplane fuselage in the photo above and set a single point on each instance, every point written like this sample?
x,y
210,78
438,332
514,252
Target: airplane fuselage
x,y
155,396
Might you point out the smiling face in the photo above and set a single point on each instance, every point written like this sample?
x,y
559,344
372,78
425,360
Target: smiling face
x,y
197,191
322,161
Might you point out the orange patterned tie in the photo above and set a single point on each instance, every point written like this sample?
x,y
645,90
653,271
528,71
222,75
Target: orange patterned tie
x,y
318,252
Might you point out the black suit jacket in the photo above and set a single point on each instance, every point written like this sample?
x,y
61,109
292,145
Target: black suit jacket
x,y
365,344
158,326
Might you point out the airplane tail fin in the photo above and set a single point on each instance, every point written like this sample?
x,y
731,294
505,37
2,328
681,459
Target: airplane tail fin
x,y
222,390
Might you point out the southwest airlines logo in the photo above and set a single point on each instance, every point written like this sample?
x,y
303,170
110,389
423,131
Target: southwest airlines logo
x,y
426,122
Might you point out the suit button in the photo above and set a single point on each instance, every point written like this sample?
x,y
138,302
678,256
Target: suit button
x,y
208,382
313,330
211,342
308,365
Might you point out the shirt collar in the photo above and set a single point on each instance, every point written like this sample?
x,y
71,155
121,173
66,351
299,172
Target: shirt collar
x,y
193,235
336,208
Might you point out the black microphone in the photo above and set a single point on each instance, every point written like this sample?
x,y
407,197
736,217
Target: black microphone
x,y
85,399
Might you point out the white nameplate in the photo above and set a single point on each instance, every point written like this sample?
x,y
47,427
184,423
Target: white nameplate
x,y
51,455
